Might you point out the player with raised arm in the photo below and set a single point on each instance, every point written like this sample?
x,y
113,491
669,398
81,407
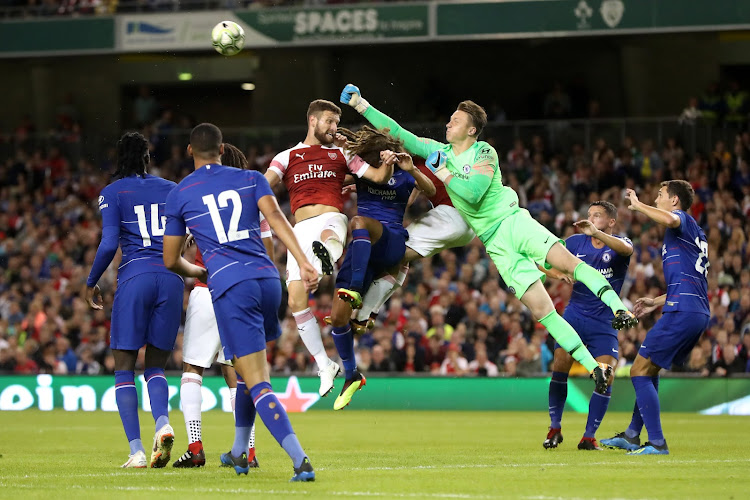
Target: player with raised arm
x,y
220,205
685,313
313,172
147,308
514,240
378,238
201,345
610,255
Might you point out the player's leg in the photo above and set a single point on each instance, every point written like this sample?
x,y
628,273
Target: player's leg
x,y
366,232
558,394
561,259
330,246
343,338
230,378
126,396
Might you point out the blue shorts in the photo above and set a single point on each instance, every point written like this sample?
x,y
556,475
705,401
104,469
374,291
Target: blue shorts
x,y
673,337
147,310
247,316
384,255
598,336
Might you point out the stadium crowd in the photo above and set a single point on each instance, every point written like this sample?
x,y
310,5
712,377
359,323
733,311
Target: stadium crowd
x,y
453,316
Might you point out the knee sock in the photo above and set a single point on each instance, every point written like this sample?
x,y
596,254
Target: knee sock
x,y
244,418
127,405
309,332
597,408
190,396
344,340
648,403
568,339
599,286
276,420
360,248
558,393
158,393
636,422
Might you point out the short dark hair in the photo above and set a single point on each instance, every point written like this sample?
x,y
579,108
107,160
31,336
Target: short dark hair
x,y
319,105
205,140
233,157
476,112
683,190
132,155
607,206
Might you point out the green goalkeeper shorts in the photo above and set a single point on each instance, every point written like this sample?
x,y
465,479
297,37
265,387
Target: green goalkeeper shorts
x,y
517,248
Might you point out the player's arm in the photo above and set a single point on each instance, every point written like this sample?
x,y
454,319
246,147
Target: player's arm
x,y
266,236
110,210
620,246
276,169
419,146
175,234
272,177
384,172
657,215
646,305
424,184
473,187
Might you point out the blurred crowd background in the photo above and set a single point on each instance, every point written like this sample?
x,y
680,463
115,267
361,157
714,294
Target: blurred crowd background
x,y
453,316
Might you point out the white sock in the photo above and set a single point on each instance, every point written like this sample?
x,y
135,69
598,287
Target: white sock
x,y
309,332
232,397
191,398
251,443
335,248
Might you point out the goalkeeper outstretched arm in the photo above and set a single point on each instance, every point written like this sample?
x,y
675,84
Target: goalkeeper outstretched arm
x,y
470,187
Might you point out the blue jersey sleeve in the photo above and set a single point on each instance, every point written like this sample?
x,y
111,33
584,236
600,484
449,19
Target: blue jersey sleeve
x,y
110,210
683,221
175,222
262,187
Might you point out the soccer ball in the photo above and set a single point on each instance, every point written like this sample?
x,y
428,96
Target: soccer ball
x,y
228,38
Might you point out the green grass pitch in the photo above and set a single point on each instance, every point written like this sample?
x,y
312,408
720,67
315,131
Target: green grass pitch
x,y
379,454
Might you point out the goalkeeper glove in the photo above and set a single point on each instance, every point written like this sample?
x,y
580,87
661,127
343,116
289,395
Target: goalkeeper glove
x,y
351,96
436,163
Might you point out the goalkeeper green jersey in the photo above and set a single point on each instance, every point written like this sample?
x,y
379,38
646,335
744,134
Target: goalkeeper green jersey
x,y
476,188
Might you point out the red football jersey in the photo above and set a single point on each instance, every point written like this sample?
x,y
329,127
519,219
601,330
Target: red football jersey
x,y
199,262
441,195
315,174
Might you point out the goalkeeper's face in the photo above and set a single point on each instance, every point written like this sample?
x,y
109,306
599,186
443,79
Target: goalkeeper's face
x,y
459,127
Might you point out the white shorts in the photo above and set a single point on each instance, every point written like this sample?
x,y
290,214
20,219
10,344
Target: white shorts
x,y
200,342
438,229
308,231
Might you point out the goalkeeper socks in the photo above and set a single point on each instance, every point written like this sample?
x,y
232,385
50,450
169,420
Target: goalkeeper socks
x,y
190,397
276,420
309,332
636,422
343,338
127,405
558,393
360,248
648,404
244,418
158,393
380,290
597,408
599,286
568,339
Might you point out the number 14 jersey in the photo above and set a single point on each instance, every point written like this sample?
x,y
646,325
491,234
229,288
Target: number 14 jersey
x,y
685,261
219,205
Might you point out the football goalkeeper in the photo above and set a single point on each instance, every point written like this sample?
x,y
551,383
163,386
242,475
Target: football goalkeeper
x,y
514,240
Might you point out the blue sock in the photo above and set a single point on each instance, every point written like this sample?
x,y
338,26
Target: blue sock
x,y
360,248
127,405
276,420
636,423
244,418
558,393
343,338
597,408
158,393
648,403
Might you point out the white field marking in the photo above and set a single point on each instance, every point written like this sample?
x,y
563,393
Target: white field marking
x,y
545,497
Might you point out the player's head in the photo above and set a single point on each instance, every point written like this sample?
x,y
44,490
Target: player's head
x,y
467,121
675,195
323,119
206,142
233,157
132,155
603,215
368,143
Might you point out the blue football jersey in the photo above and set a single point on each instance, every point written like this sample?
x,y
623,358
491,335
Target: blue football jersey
x,y
386,203
136,206
219,205
613,267
685,260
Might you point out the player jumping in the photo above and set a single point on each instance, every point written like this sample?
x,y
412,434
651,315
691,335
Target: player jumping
x,y
685,313
589,317
147,308
514,240
313,172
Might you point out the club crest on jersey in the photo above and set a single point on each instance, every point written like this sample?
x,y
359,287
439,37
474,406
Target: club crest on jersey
x,y
467,169
333,156
606,257
392,181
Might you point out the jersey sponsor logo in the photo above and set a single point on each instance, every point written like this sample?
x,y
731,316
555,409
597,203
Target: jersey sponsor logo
x,y
607,273
606,257
314,172
386,194
333,156
485,151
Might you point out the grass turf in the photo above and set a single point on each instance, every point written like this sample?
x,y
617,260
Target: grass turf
x,y
380,454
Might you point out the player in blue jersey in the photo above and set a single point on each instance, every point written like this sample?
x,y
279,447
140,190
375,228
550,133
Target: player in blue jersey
x,y
684,317
378,238
147,307
220,205
590,317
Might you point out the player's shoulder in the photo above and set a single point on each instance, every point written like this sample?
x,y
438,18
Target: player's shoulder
x,y
289,151
575,240
160,181
485,151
